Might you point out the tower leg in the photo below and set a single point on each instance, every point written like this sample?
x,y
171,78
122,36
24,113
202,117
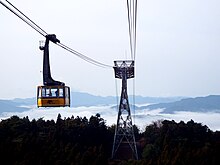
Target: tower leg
x,y
124,145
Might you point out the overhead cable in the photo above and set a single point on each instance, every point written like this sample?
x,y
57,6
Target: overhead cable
x,y
43,31
132,25
37,28
129,29
27,22
86,58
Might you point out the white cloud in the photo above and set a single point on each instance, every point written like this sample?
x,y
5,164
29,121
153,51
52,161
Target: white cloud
x,y
142,117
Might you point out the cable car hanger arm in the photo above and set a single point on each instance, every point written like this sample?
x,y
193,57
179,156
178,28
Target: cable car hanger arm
x,y
47,79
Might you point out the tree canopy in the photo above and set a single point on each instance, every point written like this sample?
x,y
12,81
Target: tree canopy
x,y
82,141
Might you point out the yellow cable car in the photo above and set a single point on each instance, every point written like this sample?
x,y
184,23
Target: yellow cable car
x,y
52,93
53,96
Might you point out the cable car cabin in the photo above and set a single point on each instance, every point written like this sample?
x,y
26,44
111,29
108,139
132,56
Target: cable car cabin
x,y
53,93
53,96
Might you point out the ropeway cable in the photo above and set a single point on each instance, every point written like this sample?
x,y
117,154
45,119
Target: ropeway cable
x,y
132,23
130,28
135,29
80,55
29,23
43,31
37,28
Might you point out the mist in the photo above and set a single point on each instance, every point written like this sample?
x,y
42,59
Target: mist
x,y
141,118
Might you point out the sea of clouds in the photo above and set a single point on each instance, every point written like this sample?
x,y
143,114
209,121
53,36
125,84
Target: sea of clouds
x,y
141,118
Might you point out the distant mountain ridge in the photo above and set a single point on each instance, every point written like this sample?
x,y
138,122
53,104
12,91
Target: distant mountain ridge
x,y
169,104
85,99
198,104
10,106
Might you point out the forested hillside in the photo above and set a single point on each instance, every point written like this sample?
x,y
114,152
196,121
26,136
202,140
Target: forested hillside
x,y
85,141
209,103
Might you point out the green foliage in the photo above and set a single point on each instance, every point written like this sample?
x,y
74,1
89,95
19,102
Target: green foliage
x,y
171,143
69,141
82,141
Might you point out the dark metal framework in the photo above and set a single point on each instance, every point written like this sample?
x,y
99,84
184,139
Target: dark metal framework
x,y
47,78
124,129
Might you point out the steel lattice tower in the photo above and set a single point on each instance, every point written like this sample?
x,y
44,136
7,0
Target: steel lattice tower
x,y
124,134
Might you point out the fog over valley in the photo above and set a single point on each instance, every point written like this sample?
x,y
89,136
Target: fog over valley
x,y
142,117
203,110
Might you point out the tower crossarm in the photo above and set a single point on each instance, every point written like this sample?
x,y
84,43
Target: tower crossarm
x,y
124,68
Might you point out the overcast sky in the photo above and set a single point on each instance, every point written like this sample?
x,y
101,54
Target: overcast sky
x,y
178,46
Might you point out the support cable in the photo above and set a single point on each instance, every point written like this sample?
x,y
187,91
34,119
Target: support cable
x,y
134,108
27,17
80,55
29,23
135,29
130,28
37,28
132,25
117,95
135,43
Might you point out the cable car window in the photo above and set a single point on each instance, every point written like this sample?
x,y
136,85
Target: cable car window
x,y
48,92
61,92
54,92
43,92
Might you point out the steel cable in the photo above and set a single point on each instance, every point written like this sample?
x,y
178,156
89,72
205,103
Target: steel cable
x,y
132,25
29,23
43,31
37,28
